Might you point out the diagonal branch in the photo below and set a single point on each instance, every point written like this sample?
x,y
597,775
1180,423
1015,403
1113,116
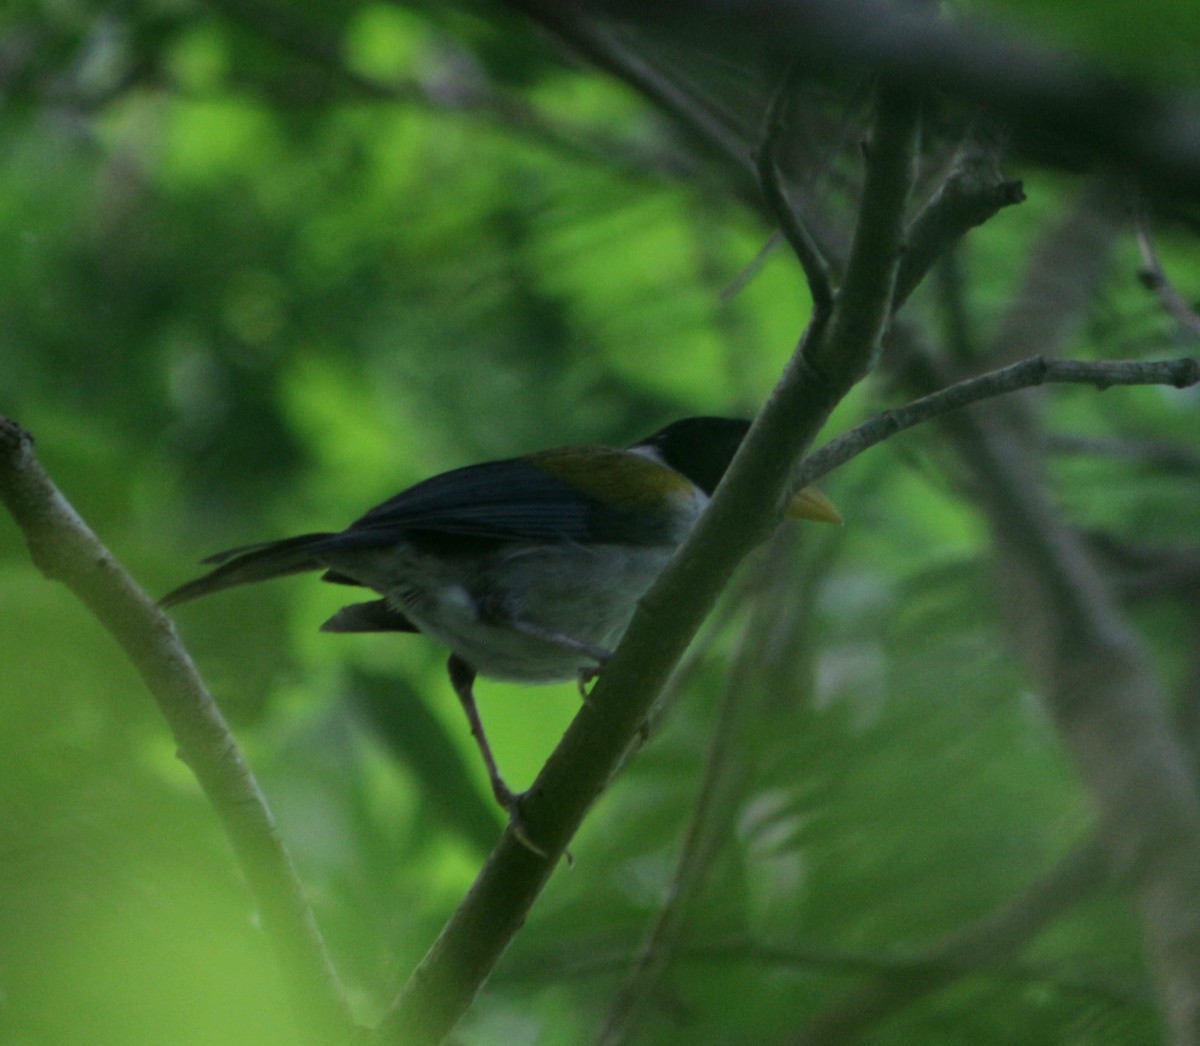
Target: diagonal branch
x,y
701,119
1155,278
989,955
746,502
66,550
770,177
971,193
1180,373
866,295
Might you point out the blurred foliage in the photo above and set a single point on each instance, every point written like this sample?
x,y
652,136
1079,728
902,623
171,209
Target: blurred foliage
x,y
1150,40
242,296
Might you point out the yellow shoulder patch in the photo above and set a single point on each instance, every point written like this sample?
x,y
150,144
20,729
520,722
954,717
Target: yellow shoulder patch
x,y
615,477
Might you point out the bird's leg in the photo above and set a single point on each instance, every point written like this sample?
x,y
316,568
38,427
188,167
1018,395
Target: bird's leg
x,y
462,678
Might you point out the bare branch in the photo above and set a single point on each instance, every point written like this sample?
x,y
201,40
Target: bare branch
x,y
696,115
1151,453
741,511
812,261
65,549
1181,373
972,193
588,960
864,302
1154,277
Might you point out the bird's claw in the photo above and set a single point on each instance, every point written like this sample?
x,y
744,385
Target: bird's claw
x,y
586,675
511,801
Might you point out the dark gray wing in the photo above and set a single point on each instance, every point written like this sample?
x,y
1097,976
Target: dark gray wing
x,y
506,500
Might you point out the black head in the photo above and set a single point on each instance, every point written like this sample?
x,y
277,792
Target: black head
x,y
700,448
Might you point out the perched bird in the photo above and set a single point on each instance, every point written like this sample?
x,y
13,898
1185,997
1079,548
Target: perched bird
x,y
527,569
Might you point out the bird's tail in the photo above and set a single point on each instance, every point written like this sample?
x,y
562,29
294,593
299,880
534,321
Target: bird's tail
x,y
250,563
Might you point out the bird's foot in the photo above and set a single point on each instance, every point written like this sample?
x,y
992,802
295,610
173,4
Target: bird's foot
x,y
511,801
588,674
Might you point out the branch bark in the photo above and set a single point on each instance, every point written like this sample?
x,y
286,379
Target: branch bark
x,y
64,548
1180,373
791,225
973,192
1155,279
745,504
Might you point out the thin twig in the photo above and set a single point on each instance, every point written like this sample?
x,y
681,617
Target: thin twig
x,y
865,298
752,268
1181,373
585,960
698,116
892,980
1043,94
812,261
1155,278
973,191
1159,454
64,548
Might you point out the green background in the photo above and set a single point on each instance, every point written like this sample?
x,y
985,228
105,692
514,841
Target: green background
x,y
240,299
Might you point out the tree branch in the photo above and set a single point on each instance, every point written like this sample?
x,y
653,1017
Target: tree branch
x,y
65,549
745,504
972,193
589,959
996,938
1155,278
704,122
1180,373
864,301
812,261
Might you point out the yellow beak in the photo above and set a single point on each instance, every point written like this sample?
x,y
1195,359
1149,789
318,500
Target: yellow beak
x,y
810,503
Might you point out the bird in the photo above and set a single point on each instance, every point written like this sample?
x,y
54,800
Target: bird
x,y
526,569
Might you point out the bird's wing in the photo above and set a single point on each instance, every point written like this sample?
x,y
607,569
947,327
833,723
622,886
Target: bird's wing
x,y
497,499
587,495
573,495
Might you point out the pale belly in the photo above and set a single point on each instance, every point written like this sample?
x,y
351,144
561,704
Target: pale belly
x,y
521,615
